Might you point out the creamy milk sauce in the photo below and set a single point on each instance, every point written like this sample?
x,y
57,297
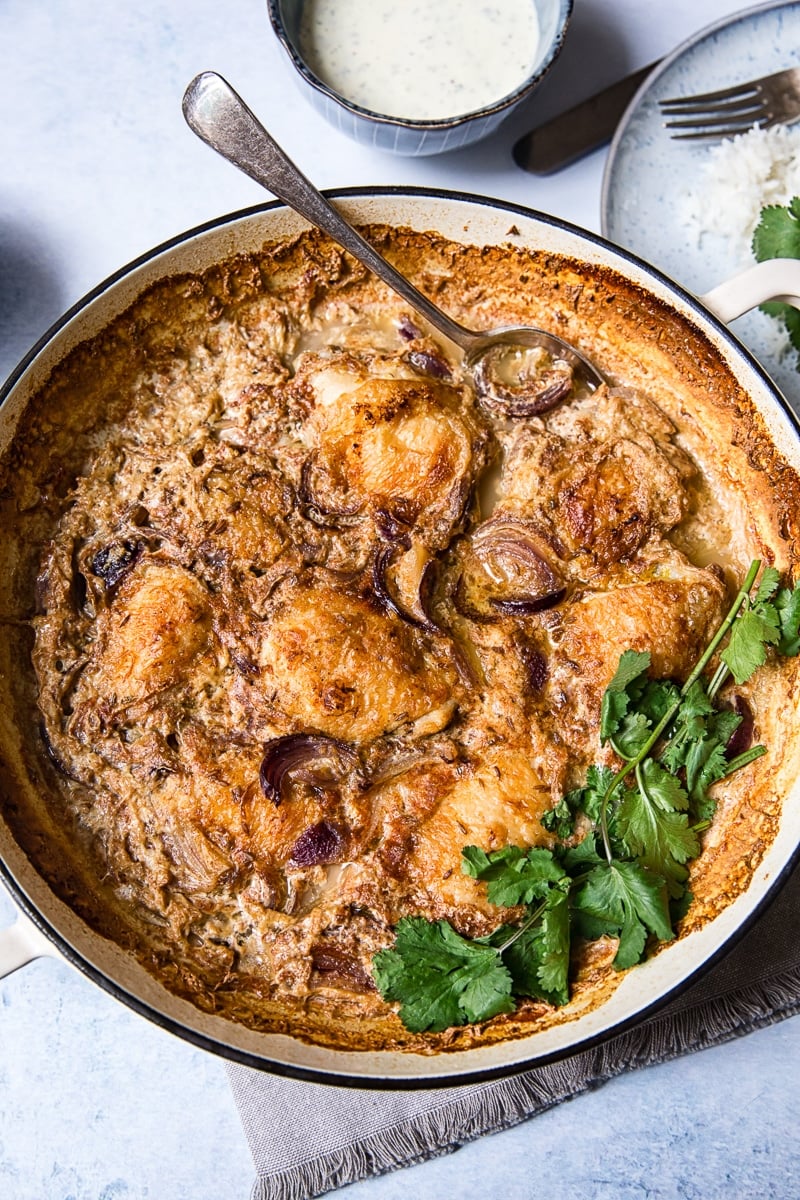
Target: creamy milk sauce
x,y
423,61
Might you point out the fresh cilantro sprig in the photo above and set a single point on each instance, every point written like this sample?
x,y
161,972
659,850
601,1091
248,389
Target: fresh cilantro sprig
x,y
626,876
442,979
630,901
777,235
648,721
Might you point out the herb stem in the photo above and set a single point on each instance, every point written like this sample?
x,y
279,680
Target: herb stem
x,y
520,929
720,675
741,598
742,760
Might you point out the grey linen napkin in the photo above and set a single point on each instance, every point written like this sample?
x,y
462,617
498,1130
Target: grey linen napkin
x,y
345,1134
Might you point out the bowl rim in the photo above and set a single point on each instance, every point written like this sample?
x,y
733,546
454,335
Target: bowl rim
x,y
421,126
409,1082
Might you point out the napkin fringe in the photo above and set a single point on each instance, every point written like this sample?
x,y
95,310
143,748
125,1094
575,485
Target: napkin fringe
x,y
491,1108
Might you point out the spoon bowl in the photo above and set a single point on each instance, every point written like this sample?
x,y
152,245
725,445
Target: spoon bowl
x,y
517,371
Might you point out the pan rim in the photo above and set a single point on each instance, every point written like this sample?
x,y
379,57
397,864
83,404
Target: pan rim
x,y
410,1081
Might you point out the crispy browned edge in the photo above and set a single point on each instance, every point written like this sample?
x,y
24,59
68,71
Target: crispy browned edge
x,y
632,336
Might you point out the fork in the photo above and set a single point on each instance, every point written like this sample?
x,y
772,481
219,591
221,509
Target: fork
x,y
771,100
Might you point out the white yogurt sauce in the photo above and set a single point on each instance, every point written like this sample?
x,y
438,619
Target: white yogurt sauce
x,y
420,61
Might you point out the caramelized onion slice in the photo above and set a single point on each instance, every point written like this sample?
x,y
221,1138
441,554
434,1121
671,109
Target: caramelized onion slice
x,y
319,844
513,572
419,579
521,382
310,757
342,967
340,516
113,562
522,606
742,737
425,363
536,667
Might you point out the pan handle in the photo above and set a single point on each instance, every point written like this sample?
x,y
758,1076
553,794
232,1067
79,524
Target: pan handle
x,y
20,943
774,279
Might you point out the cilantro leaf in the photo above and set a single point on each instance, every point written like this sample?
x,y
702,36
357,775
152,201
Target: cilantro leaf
x,y
695,703
631,670
680,905
715,767
598,781
787,606
663,788
554,965
631,735
657,699
698,744
514,876
577,858
523,959
707,759
440,978
750,634
591,928
632,665
658,837
538,959
629,897
777,234
632,941
560,820
770,578
688,726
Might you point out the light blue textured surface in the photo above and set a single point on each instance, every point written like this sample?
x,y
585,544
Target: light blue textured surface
x,y
642,208
98,1104
97,166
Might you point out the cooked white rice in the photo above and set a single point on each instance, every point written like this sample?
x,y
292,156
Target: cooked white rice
x,y
741,176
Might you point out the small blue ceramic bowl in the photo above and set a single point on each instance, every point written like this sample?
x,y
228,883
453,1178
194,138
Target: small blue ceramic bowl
x,y
412,136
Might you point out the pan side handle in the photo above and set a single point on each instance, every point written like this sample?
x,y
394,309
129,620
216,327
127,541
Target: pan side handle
x,y
774,279
20,943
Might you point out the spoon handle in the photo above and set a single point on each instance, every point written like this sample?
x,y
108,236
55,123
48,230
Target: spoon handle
x,y
219,117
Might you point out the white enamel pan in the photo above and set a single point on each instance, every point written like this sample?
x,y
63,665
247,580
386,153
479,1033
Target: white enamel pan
x,y
48,926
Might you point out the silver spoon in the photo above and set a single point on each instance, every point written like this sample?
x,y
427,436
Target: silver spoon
x,y
219,117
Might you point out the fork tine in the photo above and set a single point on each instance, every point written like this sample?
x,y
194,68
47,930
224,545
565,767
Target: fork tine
x,y
740,90
754,104
714,126
731,131
748,104
715,134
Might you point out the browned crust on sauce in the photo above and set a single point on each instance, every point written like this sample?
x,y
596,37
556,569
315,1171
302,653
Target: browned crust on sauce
x,y
744,498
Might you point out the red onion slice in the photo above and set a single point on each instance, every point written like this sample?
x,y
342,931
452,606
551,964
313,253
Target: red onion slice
x,y
425,363
314,510
530,394
742,737
421,619
313,758
393,528
518,577
408,330
319,844
524,606
112,563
